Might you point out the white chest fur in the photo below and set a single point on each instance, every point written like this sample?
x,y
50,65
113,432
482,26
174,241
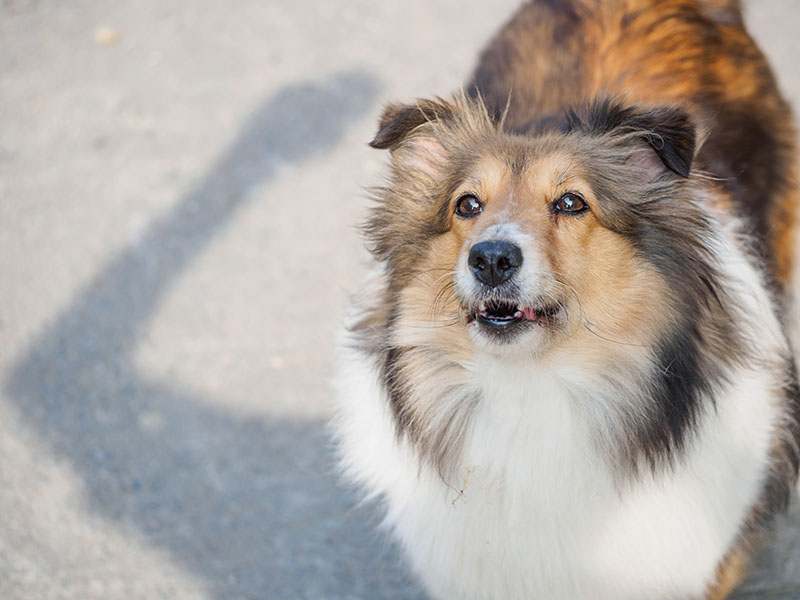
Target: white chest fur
x,y
535,511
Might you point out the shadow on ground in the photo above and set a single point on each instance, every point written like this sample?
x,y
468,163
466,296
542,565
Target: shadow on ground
x,y
249,506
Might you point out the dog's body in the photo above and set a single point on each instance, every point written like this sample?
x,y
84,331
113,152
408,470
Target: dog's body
x,y
568,375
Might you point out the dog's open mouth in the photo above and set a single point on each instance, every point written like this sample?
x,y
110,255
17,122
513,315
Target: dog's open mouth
x,y
503,314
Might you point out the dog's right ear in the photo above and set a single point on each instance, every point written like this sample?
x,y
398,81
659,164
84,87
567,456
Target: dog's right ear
x,y
410,132
399,121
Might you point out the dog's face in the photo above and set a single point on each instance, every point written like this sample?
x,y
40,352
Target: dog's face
x,y
503,243
529,255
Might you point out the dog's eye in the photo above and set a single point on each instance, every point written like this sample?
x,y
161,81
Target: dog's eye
x,y
468,206
571,203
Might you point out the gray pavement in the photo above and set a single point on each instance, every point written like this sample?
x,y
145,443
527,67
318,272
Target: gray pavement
x,y
179,185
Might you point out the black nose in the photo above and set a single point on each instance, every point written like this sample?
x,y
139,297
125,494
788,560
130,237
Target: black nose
x,y
495,261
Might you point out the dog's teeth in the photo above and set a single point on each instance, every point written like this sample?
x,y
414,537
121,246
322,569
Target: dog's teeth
x,y
518,314
482,306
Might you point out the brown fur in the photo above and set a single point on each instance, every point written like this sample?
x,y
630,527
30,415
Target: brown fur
x,y
688,113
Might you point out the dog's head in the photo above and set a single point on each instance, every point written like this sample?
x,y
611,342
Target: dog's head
x,y
526,239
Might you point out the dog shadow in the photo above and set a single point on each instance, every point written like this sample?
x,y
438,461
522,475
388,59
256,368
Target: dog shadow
x,y
250,506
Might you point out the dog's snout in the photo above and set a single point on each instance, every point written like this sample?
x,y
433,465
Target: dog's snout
x,y
494,262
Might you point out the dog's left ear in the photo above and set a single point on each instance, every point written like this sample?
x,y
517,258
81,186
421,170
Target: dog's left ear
x,y
662,139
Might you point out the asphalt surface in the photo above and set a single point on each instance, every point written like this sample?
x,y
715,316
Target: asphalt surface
x,y
179,188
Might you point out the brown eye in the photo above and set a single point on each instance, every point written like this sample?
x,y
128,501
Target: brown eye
x,y
468,206
571,203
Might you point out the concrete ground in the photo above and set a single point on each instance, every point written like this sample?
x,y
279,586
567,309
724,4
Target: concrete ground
x,y
179,184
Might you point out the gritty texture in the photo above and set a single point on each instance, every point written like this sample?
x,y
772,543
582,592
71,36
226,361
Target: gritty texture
x,y
179,185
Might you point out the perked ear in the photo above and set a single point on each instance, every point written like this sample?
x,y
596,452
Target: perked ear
x,y
398,121
669,132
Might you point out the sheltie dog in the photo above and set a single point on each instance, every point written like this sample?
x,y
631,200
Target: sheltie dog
x,y
570,374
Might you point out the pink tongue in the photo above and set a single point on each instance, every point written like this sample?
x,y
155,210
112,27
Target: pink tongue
x,y
530,314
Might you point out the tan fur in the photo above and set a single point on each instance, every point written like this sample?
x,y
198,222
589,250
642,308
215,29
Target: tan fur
x,y
730,573
429,308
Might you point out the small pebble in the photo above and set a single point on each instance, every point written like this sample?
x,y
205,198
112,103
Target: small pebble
x,y
106,36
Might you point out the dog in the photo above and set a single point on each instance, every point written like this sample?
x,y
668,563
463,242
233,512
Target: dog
x,y
570,373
